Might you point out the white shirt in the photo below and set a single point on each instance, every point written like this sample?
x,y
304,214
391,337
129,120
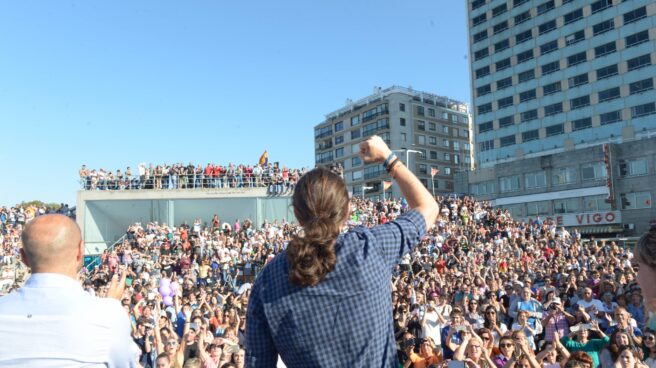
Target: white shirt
x,y
53,322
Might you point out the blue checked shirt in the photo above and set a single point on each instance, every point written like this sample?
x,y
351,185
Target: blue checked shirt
x,y
345,320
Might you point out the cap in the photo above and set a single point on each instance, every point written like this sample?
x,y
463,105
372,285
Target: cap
x,y
555,300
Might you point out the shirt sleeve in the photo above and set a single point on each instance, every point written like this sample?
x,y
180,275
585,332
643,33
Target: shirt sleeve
x,y
397,238
260,350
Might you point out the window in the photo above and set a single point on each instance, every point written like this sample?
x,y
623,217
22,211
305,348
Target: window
x,y
607,72
504,83
523,17
504,102
431,112
523,37
480,36
603,27
538,208
553,109
355,120
637,38
477,4
573,16
501,45
579,102
402,121
486,145
355,134
421,125
547,27
529,115
433,155
593,171
486,187
635,15
447,157
432,141
638,62
517,3
506,121
526,76
508,140
421,139
610,117
549,47
609,94
509,183
420,109
445,143
503,64
605,49
496,11
600,5
373,171
404,137
479,19
357,175
339,126
524,56
376,126
535,180
484,108
401,107
576,59
324,157
555,129
636,200
482,72
595,203
563,175
339,139
445,116
551,88
432,126
552,67
574,38
580,124
578,80
498,28
445,129
356,161
643,110
546,6
530,135
447,171
339,152
527,95
569,205
323,132
641,86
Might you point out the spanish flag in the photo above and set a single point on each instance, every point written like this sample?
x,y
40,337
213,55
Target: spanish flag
x,y
387,184
264,159
434,171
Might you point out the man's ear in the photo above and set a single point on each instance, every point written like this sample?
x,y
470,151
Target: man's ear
x,y
24,257
80,252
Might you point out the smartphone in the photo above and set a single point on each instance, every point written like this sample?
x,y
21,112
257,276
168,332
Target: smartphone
x,y
230,348
456,364
193,326
461,328
128,281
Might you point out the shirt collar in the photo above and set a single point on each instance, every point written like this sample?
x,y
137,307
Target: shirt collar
x,y
52,280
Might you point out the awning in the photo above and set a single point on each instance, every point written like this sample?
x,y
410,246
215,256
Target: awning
x,y
607,229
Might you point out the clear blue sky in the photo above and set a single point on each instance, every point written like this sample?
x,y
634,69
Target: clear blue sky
x,y
114,83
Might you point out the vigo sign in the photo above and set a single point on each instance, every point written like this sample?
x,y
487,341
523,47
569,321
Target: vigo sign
x,y
586,219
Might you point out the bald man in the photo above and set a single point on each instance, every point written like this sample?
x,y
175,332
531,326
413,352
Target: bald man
x,y
51,321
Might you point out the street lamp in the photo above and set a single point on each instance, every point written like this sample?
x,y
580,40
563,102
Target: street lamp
x,y
407,154
365,188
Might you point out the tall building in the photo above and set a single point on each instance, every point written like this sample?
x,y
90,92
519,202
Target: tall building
x,y
552,80
425,130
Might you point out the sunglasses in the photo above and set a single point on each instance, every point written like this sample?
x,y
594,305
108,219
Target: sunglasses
x,y
505,345
649,338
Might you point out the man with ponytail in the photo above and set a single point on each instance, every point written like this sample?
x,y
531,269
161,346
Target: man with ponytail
x,y
326,300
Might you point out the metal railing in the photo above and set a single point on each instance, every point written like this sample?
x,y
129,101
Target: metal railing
x,y
195,181
96,260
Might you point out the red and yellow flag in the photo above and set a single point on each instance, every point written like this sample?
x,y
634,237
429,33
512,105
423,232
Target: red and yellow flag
x,y
387,184
264,159
434,171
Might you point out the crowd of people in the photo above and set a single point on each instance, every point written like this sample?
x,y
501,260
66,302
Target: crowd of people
x,y
278,180
481,290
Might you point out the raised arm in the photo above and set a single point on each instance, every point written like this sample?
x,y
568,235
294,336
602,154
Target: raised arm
x,y
374,150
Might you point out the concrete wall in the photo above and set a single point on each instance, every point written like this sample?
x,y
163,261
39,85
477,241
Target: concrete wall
x,y
104,216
